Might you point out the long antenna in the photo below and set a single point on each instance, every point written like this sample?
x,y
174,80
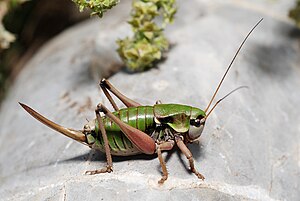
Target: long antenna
x,y
237,52
215,105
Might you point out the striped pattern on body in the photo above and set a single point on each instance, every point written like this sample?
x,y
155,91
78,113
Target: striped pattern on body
x,y
141,117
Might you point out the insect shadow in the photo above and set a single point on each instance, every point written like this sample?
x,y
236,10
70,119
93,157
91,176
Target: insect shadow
x,y
94,155
197,152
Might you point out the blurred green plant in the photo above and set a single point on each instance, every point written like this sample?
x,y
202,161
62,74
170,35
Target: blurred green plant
x,y
97,6
7,55
139,52
295,13
32,23
148,42
6,38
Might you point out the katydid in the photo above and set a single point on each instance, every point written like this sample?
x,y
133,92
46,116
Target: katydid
x,y
139,129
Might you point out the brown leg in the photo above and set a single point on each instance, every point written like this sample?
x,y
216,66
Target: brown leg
x,y
105,84
188,155
141,140
108,96
160,147
109,167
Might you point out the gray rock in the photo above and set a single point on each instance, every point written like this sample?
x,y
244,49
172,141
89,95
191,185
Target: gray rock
x,y
249,149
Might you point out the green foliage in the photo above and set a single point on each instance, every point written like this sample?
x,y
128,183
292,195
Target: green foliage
x,y
15,3
6,38
148,42
295,13
97,6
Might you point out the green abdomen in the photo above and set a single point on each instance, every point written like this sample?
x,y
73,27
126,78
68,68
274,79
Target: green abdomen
x,y
141,117
138,117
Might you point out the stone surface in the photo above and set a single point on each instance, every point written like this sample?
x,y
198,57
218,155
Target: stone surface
x,y
249,149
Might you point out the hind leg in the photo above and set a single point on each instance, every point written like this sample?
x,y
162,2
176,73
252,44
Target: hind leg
x,y
106,85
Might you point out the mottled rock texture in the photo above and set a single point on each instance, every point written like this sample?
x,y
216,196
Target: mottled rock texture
x,y
249,149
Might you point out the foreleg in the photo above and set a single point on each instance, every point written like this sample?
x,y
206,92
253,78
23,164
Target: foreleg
x,y
188,155
161,147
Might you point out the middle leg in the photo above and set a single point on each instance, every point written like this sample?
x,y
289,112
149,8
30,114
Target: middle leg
x,y
109,166
164,146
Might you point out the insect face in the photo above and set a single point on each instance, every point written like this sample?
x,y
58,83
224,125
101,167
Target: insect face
x,y
196,128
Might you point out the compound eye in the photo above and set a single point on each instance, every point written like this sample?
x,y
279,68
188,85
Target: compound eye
x,y
195,122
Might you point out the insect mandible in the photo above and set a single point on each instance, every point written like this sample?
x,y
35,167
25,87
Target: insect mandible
x,y
140,129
